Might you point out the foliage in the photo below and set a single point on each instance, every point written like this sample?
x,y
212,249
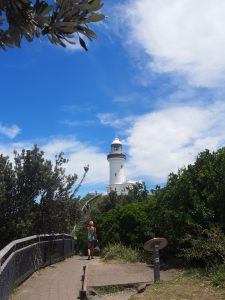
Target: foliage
x,y
35,196
139,193
207,247
120,253
189,212
81,240
194,199
129,224
59,21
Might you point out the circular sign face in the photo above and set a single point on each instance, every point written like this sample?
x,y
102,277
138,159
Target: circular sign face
x,y
149,245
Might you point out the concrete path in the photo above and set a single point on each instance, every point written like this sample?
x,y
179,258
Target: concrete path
x,y
61,281
103,274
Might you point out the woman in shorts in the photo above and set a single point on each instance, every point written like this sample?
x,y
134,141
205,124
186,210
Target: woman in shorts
x,y
92,238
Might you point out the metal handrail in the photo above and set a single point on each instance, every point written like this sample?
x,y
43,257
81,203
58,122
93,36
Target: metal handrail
x,y
13,245
20,258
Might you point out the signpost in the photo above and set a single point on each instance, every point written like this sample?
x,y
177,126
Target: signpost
x,y
155,245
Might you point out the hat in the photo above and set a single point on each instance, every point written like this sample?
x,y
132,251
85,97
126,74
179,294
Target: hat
x,y
91,223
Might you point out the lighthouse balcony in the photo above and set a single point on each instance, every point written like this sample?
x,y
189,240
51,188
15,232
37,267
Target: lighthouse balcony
x,y
116,155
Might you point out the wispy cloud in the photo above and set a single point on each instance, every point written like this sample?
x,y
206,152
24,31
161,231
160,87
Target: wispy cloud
x,y
123,99
127,99
79,123
185,38
10,131
114,120
78,108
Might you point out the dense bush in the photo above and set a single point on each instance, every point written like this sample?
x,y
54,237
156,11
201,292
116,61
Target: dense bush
x,y
189,211
189,207
208,247
130,224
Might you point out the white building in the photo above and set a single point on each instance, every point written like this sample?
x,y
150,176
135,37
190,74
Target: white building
x,y
117,178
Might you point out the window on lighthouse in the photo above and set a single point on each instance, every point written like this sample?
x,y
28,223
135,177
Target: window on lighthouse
x,y
116,148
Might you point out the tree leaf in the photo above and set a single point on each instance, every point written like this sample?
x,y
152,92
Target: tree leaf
x,y
94,18
83,44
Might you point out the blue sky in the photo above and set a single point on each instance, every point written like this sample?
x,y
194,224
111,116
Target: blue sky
x,y
154,77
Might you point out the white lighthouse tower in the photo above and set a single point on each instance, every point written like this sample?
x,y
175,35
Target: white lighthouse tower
x,y
117,179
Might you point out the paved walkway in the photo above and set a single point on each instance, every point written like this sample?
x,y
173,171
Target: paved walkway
x,y
62,281
103,274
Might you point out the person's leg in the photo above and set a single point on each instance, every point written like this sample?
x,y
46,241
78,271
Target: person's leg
x,y
89,250
92,249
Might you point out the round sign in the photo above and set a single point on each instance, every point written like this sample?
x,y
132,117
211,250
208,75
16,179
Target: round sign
x,y
149,245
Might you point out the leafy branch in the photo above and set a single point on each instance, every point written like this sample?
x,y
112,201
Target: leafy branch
x,y
60,21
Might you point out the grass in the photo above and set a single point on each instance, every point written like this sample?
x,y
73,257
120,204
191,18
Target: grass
x,y
120,254
193,284
112,289
217,276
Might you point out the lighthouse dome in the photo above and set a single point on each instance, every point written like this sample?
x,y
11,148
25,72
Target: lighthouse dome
x,y
116,141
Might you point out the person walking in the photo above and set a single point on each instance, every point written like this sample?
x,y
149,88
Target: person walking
x,y
92,239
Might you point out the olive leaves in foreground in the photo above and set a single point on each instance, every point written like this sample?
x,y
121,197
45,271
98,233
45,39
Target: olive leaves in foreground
x,y
61,22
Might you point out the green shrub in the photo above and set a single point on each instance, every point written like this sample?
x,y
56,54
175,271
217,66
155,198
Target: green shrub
x,y
129,224
208,247
120,253
81,241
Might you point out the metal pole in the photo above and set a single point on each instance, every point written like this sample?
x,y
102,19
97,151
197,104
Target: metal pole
x,y
156,263
63,246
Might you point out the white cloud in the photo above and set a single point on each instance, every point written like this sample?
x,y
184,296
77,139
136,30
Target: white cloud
x,y
165,140
157,143
8,149
79,123
186,37
77,109
114,120
130,98
79,155
10,131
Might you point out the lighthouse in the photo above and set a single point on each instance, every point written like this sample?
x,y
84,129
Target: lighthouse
x,y
117,178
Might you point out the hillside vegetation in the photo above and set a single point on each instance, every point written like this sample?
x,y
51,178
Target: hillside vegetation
x,y
189,211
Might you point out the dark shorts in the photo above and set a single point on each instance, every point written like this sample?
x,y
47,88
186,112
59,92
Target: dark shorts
x,y
91,244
